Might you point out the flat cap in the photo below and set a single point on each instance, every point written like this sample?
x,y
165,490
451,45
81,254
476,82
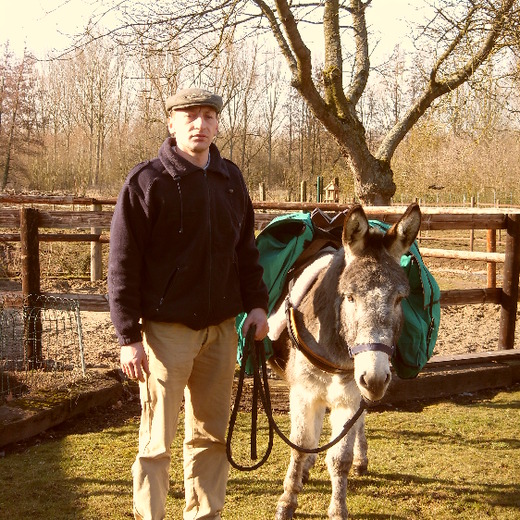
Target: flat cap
x,y
191,97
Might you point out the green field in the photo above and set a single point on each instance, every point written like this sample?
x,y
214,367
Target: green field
x,y
457,459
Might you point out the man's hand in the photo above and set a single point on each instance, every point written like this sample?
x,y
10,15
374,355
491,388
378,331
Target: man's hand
x,y
256,317
134,362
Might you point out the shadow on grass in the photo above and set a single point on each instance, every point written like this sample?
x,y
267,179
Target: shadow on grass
x,y
84,475
59,480
402,487
505,495
445,438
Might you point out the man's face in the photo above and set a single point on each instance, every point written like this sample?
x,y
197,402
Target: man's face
x,y
194,128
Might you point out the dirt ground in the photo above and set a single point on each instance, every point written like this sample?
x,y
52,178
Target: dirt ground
x,y
463,329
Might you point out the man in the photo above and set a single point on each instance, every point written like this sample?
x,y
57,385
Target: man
x,y
183,263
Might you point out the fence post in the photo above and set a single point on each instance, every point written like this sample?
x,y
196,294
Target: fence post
x,y
30,259
491,247
472,231
261,191
509,298
303,191
96,259
319,189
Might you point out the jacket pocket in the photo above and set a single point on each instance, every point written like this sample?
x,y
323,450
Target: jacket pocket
x,y
167,288
229,290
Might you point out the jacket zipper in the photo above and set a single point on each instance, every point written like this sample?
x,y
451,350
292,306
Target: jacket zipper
x,y
210,242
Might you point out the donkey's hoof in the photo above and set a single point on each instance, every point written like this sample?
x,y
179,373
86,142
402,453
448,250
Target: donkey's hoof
x,y
360,469
284,513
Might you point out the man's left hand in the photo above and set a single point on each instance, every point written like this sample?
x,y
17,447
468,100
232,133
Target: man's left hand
x,y
257,317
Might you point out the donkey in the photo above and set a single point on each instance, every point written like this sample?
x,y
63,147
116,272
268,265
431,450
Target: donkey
x,y
346,312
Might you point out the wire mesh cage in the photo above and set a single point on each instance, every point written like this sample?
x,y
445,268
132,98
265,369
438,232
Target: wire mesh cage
x,y
41,345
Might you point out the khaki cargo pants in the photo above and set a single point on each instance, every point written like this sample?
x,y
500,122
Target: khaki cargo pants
x,y
199,365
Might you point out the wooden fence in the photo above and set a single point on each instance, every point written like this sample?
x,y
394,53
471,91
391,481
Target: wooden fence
x,y
32,219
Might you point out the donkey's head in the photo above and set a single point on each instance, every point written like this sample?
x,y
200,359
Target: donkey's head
x,y
371,288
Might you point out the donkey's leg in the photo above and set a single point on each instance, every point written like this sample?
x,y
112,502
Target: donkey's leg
x,y
304,413
311,458
360,465
339,461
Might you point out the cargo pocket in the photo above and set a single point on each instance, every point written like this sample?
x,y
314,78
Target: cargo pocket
x,y
145,428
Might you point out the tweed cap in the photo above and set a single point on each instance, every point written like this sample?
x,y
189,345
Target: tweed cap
x,y
191,97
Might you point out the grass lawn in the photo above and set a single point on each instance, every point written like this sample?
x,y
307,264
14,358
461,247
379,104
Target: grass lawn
x,y
456,459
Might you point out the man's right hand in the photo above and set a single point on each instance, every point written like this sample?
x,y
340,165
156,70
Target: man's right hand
x,y
134,362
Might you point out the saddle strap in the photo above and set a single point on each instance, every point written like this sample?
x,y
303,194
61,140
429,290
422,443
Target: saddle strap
x,y
319,361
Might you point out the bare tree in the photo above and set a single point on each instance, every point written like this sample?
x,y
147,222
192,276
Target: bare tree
x,y
232,68
96,81
235,70
463,44
208,43
15,109
272,98
459,37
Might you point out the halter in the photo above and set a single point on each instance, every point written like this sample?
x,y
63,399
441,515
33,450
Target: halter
x,y
370,347
319,361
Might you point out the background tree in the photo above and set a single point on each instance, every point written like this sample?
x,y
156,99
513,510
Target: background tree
x,y
271,101
99,110
16,113
454,42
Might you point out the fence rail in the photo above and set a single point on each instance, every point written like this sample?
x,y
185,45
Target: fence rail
x,y
34,225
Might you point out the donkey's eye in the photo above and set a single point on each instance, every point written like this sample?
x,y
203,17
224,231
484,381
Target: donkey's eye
x,y
350,298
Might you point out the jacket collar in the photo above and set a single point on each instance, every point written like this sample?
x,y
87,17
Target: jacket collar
x,y
178,166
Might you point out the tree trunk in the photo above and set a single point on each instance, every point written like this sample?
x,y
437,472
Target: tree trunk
x,y
373,179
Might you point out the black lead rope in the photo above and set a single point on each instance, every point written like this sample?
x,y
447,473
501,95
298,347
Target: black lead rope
x,y
255,350
250,351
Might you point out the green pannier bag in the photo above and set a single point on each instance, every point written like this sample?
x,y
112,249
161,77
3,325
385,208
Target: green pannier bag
x,y
280,244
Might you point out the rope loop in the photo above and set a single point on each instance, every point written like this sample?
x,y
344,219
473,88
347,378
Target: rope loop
x,y
255,350
251,349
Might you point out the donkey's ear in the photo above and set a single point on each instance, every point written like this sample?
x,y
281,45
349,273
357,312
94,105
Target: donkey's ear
x,y
401,235
355,230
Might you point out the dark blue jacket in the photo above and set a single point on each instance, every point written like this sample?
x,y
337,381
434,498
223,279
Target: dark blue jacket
x,y
182,245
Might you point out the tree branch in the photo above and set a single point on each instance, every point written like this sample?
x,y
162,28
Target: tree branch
x,y
438,87
362,63
333,69
303,71
279,36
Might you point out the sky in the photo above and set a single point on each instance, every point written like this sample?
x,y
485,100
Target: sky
x,y
44,25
